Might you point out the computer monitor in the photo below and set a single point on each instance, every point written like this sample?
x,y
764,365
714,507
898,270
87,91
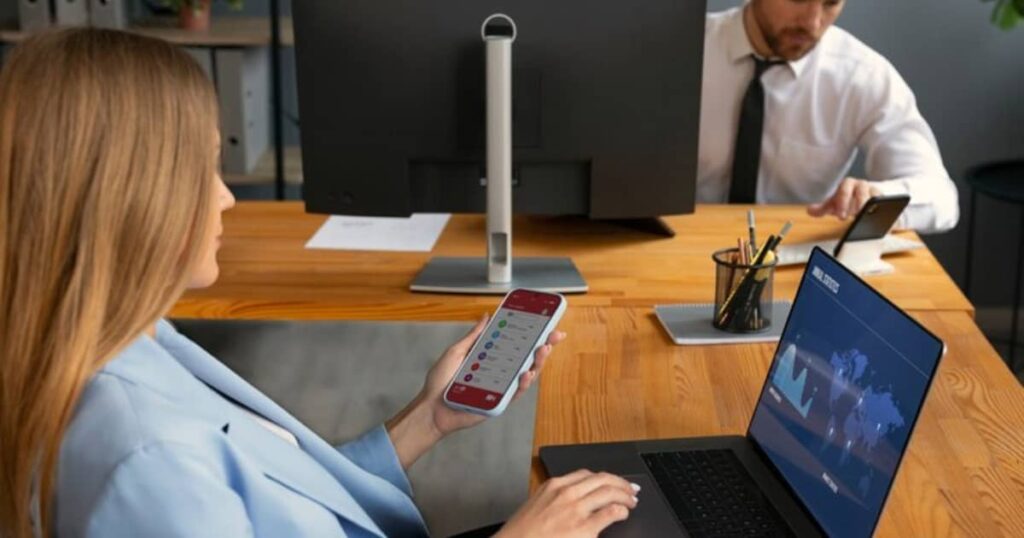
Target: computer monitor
x,y
605,106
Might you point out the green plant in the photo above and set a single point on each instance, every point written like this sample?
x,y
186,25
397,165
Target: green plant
x,y
178,5
1007,13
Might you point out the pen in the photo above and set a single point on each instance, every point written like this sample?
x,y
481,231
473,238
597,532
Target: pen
x,y
776,239
752,228
782,234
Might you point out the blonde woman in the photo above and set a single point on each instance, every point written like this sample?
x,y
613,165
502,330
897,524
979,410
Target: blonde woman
x,y
112,423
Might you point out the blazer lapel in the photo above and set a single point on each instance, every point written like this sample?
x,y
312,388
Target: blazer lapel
x,y
295,468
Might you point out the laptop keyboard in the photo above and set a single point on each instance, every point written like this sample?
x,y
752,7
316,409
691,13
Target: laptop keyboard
x,y
713,495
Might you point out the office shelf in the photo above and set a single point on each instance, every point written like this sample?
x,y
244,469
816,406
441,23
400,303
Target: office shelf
x,y
263,172
225,31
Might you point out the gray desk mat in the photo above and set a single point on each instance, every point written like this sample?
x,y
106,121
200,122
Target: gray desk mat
x,y
690,324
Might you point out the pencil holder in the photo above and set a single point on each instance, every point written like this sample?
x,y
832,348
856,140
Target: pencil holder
x,y
743,292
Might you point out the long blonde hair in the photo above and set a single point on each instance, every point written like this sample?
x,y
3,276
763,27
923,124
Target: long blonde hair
x,y
107,159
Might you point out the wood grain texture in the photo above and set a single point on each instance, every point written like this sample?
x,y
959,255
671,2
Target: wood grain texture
x,y
266,273
618,377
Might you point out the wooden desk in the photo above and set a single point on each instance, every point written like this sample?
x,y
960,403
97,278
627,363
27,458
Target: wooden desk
x,y
267,274
618,377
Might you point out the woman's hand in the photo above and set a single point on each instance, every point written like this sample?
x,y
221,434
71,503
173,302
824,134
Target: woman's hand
x,y
577,505
427,419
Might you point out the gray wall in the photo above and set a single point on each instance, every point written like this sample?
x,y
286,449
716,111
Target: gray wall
x,y
8,13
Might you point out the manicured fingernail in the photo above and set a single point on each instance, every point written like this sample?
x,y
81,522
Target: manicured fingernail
x,y
636,487
635,500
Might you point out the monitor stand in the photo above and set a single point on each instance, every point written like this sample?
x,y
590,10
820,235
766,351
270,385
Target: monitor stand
x,y
494,274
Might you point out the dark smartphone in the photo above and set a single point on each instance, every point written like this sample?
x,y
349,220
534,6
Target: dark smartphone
x,y
875,219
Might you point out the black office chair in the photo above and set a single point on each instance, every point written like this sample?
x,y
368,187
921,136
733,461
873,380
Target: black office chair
x,y
1004,181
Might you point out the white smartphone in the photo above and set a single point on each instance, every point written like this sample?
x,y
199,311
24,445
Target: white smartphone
x,y
489,375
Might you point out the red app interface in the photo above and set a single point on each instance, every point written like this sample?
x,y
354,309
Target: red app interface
x,y
505,345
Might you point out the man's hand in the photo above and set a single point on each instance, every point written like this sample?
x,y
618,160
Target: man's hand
x,y
851,195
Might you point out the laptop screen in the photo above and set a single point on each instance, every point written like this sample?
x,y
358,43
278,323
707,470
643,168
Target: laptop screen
x,y
842,395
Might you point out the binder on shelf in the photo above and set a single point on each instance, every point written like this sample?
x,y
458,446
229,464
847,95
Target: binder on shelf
x,y
243,90
204,57
34,15
108,13
71,12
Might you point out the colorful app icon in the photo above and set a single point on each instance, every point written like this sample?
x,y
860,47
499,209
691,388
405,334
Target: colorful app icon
x,y
489,345
495,334
468,378
481,356
502,323
475,367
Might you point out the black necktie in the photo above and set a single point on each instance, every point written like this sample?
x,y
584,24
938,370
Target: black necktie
x,y
747,157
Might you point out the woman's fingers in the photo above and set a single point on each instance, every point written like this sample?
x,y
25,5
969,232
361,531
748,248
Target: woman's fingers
x,y
593,482
556,337
609,494
539,358
605,517
525,382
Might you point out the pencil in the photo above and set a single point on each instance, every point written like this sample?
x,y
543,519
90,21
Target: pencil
x,y
752,228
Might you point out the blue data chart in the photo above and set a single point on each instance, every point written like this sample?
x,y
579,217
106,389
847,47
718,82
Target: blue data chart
x,y
790,384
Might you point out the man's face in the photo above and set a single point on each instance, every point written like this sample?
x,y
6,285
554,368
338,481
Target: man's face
x,y
793,27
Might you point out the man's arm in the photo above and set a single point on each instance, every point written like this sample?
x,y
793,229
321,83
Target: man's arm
x,y
901,154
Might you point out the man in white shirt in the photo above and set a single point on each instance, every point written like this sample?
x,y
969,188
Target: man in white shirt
x,y
823,95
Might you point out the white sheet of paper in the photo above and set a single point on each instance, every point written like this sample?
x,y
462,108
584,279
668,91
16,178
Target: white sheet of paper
x,y
417,233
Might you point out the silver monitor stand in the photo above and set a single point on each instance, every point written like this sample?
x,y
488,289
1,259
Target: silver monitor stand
x,y
494,274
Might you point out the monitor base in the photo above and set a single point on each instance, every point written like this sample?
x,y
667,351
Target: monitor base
x,y
648,225
469,275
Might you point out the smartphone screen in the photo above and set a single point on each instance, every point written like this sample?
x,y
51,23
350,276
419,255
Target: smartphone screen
x,y
500,352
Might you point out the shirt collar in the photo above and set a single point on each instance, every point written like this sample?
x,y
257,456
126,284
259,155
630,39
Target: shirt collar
x,y
739,47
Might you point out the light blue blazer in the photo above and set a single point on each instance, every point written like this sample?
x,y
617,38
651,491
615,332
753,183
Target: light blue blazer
x,y
154,451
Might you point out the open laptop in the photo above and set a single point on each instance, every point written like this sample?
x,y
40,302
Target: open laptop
x,y
835,414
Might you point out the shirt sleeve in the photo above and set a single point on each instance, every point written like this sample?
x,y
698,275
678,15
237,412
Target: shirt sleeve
x,y
901,153
375,453
167,491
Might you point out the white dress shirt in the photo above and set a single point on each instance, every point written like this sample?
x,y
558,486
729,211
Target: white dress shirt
x,y
819,111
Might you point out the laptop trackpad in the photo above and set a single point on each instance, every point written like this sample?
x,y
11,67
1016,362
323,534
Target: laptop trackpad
x,y
651,517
